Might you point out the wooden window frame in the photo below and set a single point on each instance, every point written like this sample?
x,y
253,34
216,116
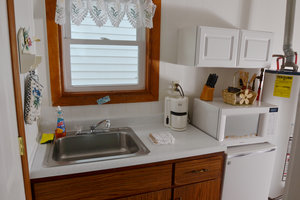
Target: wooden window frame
x,y
63,98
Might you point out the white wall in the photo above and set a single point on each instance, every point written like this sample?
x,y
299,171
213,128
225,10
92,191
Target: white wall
x,y
24,18
267,15
175,14
11,181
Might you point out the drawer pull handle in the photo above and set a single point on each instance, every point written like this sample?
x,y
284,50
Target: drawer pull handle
x,y
179,198
197,171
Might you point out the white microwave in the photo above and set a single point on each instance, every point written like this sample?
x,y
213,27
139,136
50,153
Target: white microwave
x,y
236,124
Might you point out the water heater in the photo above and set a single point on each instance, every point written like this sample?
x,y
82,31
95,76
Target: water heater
x,y
282,89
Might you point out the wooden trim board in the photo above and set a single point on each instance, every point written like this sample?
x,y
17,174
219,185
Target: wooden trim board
x,y
18,95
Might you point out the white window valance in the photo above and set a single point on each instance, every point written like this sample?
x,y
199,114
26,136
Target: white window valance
x,y
139,12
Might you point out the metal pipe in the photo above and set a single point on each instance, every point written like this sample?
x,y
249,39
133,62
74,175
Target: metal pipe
x,y
288,35
289,22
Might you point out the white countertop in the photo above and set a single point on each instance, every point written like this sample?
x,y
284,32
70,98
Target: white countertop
x,y
191,142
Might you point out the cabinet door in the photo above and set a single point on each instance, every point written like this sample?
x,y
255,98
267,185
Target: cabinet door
x,y
255,49
159,195
208,190
216,47
110,185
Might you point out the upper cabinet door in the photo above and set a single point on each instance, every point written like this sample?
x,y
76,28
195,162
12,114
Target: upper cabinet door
x,y
216,47
255,49
203,46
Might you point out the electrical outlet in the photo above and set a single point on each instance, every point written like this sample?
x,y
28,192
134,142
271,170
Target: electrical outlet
x,y
173,84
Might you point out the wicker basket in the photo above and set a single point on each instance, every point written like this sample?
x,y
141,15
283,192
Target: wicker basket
x,y
234,98
229,97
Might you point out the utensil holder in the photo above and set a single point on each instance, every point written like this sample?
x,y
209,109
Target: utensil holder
x,y
207,93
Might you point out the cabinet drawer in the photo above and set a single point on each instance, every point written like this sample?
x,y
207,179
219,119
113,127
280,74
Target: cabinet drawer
x,y
198,170
107,185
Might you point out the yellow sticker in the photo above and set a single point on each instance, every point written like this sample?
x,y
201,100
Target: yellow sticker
x,y
283,86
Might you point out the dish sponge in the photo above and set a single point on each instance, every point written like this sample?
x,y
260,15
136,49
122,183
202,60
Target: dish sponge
x,y
162,138
47,138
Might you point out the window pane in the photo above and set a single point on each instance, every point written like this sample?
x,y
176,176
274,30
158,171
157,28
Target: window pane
x,y
103,65
89,30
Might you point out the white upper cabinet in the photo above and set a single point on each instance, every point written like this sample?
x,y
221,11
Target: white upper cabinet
x,y
202,46
216,47
255,49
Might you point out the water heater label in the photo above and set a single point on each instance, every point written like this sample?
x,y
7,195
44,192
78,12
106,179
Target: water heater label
x,y
283,86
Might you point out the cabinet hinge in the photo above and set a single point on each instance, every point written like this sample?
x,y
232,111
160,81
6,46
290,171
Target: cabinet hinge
x,y
21,146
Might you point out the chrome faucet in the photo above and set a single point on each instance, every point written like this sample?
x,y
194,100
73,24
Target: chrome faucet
x,y
107,125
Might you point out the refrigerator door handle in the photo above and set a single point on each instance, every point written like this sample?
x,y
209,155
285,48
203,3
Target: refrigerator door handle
x,y
251,153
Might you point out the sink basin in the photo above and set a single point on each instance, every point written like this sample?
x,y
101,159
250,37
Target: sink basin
x,y
101,145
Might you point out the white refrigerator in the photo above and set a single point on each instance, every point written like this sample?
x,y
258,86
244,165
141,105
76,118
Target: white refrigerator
x,y
248,172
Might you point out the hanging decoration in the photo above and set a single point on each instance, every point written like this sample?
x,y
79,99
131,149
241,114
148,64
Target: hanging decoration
x,y
139,12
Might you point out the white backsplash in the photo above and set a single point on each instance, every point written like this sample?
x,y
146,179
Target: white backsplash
x,y
85,124
192,80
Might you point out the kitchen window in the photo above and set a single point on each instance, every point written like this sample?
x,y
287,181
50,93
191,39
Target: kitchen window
x,y
87,62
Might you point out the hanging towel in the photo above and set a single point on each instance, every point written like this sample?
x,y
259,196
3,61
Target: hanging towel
x,y
33,98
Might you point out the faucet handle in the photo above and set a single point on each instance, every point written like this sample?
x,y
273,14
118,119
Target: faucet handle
x,y
107,123
92,128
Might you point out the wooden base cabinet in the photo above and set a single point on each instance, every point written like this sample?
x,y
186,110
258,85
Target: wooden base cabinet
x,y
207,190
105,184
194,178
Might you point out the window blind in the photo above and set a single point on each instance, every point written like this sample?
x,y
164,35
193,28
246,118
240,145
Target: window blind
x,y
97,64
104,65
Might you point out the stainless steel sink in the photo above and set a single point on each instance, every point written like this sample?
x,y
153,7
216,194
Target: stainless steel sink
x,y
101,145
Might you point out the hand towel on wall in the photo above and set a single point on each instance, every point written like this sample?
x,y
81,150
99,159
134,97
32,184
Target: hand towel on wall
x,y
33,98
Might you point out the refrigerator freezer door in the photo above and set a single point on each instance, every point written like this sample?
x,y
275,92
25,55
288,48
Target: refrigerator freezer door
x,y
248,172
